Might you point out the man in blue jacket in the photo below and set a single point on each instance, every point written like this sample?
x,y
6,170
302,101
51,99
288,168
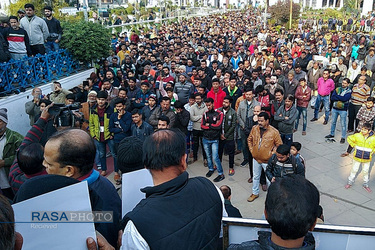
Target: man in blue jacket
x,y
340,98
119,124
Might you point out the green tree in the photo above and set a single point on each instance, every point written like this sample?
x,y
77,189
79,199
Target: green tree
x,y
280,11
86,40
39,5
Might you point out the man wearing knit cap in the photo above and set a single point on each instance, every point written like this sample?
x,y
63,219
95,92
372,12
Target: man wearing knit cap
x,y
9,142
129,154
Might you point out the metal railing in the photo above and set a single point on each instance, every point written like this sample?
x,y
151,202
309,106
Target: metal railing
x,y
18,75
237,230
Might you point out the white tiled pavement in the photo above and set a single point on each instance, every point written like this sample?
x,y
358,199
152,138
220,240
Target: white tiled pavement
x,y
324,167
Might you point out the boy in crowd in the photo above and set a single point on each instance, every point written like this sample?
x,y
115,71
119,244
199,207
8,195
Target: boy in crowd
x,y
295,149
364,144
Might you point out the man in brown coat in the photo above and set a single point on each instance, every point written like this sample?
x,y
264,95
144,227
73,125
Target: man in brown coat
x,y
263,141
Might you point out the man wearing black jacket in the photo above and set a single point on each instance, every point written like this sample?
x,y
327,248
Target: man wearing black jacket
x,y
227,132
282,164
182,117
54,28
211,125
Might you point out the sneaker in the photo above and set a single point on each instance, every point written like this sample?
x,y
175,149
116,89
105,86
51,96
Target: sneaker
x,y
103,173
205,163
313,119
325,122
108,154
329,136
250,180
264,187
231,172
219,178
99,167
244,164
367,189
294,130
349,131
303,132
209,173
347,186
344,154
252,197
342,141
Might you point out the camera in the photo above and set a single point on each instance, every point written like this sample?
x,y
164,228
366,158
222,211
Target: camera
x,y
66,115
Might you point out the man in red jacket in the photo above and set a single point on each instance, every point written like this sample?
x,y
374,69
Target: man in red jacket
x,y
217,94
303,96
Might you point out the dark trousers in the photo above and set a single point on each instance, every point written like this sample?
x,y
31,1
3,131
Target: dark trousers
x,y
197,139
229,146
352,113
38,49
287,139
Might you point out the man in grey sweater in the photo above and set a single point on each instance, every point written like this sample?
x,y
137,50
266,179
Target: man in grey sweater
x,y
36,29
196,114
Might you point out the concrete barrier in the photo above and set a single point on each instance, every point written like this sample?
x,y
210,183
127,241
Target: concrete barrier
x,y
17,117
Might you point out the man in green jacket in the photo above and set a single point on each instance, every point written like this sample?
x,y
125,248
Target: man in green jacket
x,y
99,129
227,132
9,143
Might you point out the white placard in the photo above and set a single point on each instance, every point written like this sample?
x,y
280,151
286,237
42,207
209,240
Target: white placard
x,y
59,233
132,182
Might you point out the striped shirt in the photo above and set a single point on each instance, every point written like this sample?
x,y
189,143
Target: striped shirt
x,y
360,94
18,40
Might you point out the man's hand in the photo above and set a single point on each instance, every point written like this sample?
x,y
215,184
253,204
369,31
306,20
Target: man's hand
x,y
286,118
207,124
255,118
273,179
102,243
119,239
2,163
45,114
222,137
56,41
120,114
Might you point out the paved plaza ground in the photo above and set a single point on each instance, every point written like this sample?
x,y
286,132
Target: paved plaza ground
x,y
324,167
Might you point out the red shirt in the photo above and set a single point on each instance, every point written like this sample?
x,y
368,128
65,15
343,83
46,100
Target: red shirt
x,y
218,97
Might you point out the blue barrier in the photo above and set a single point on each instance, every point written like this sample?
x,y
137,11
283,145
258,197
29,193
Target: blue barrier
x,y
17,75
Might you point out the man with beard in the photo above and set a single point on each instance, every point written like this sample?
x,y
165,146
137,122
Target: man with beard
x,y
227,133
273,85
54,28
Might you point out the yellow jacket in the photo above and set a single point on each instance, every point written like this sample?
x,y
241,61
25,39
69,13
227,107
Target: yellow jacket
x,y
364,147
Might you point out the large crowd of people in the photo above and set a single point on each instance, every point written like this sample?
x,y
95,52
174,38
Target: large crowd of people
x,y
222,82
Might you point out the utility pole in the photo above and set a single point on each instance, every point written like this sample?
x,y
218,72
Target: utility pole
x,y
290,14
85,10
